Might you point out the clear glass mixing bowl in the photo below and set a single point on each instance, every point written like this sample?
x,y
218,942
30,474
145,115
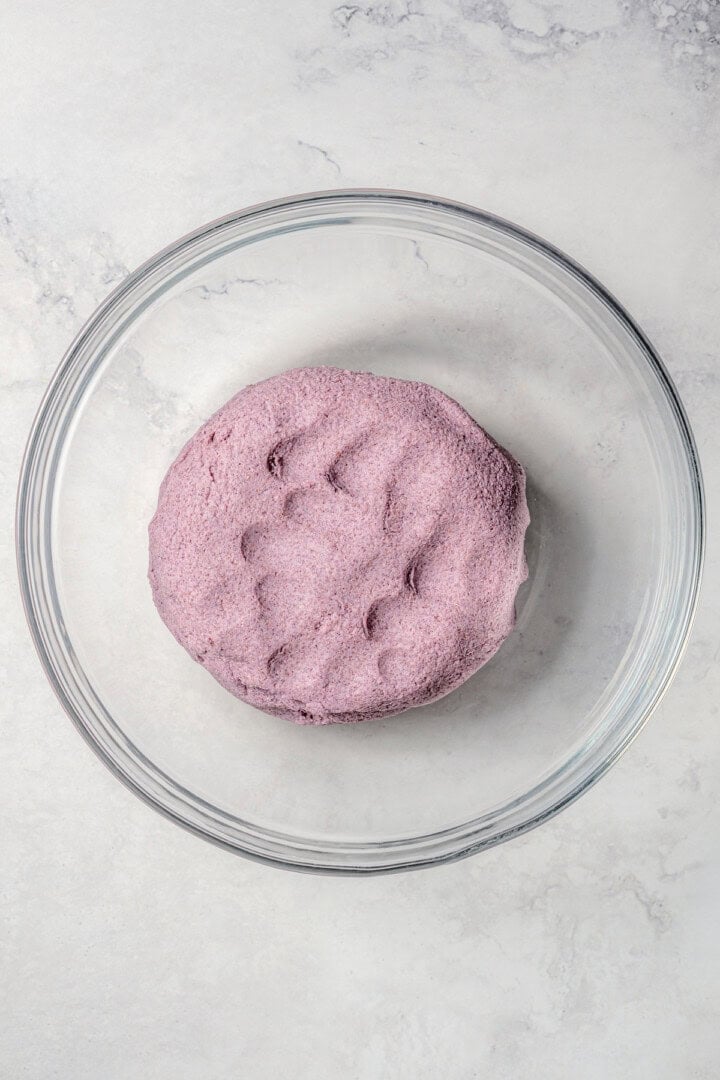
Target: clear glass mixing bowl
x,y
418,288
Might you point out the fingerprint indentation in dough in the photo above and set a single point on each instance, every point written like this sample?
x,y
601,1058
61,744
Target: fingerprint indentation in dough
x,y
340,474
302,506
360,467
334,481
293,659
393,665
277,661
252,541
375,620
277,459
265,591
410,577
392,510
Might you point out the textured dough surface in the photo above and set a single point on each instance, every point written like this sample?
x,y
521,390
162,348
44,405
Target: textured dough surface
x,y
335,546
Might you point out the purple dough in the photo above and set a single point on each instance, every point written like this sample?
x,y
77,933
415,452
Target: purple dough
x,y
335,546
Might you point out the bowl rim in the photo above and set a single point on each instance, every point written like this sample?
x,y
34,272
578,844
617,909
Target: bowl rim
x,y
352,857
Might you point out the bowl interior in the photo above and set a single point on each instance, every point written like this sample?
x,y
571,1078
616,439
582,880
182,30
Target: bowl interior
x,y
542,364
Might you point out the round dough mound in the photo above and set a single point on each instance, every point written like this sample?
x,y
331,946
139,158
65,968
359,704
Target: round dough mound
x,y
334,546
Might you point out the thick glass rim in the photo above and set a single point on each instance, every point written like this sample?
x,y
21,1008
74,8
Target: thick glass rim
x,y
34,541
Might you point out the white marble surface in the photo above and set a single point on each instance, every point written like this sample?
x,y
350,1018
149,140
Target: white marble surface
x,y
587,948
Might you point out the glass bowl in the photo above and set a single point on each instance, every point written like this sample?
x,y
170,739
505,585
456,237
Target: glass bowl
x,y
418,288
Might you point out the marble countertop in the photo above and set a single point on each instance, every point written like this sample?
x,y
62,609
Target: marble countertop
x,y
586,948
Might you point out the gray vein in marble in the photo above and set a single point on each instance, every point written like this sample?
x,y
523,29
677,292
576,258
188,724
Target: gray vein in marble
x,y
27,250
206,292
160,406
387,14
323,153
532,30
551,38
417,253
678,875
47,263
653,906
692,28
